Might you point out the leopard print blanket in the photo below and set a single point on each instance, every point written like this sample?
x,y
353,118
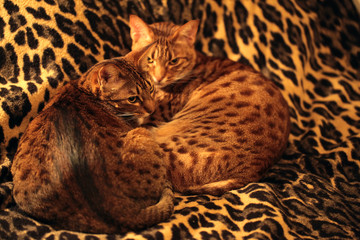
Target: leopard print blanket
x,y
310,49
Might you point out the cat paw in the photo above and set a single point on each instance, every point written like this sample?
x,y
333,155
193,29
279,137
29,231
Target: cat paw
x,y
140,141
139,132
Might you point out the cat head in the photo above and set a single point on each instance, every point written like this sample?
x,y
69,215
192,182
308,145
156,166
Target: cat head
x,y
117,84
168,49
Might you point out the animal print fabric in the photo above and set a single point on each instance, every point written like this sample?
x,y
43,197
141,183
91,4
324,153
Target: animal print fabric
x,y
310,49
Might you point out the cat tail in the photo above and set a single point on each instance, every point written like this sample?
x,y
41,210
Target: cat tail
x,y
159,212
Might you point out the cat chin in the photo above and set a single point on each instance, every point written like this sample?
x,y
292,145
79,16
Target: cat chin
x,y
140,120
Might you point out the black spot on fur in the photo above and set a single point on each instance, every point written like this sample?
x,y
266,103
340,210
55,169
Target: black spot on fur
x,y
50,2
104,27
260,57
12,147
281,50
69,69
2,26
90,4
124,36
180,232
21,223
84,37
110,52
17,106
2,137
349,168
32,88
9,68
209,26
16,22
40,13
11,7
50,34
353,95
313,60
323,87
64,24
216,46
85,61
67,6
241,13
289,6
32,68
20,38
291,75
32,41
79,30
230,33
48,63
271,14
260,25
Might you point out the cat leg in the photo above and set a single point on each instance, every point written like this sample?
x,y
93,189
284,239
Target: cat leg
x,y
216,188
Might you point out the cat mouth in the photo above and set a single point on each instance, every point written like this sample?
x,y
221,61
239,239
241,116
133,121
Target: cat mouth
x,y
160,81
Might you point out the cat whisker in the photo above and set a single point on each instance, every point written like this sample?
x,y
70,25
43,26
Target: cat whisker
x,y
126,115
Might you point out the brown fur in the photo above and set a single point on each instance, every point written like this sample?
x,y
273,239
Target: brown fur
x,y
82,166
220,123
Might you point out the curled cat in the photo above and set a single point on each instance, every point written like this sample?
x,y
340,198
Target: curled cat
x,y
82,165
220,123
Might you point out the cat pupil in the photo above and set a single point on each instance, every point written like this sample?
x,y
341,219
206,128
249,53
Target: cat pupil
x,y
150,60
175,60
132,99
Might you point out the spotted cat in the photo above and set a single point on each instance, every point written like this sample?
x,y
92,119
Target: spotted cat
x,y
82,166
221,123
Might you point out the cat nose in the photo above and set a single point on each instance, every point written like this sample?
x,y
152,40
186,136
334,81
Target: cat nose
x,y
158,77
159,74
149,106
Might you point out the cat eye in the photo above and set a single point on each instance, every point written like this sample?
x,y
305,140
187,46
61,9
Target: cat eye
x,y
132,99
174,61
150,60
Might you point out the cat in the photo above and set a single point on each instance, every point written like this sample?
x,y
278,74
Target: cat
x,y
82,164
220,123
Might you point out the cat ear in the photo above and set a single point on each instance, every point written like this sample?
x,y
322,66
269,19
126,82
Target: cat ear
x,y
187,32
140,32
107,74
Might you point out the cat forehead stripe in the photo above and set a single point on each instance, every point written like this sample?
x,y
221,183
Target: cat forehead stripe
x,y
164,29
140,80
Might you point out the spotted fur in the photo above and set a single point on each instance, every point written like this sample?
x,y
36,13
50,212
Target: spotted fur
x,y
82,166
221,124
309,50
